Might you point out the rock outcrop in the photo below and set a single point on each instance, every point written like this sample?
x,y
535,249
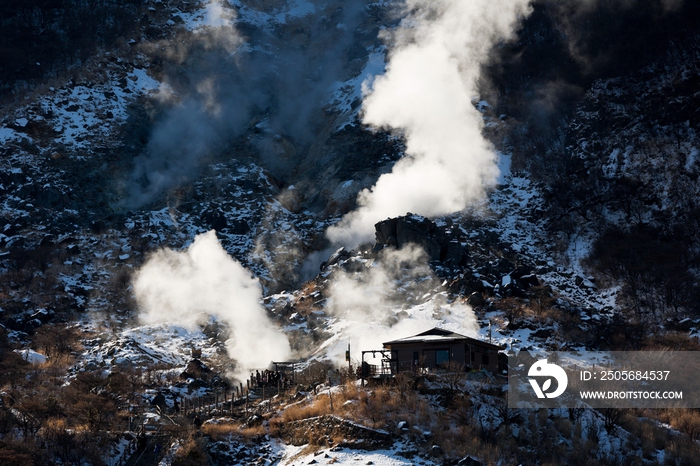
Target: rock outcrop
x,y
445,243
333,429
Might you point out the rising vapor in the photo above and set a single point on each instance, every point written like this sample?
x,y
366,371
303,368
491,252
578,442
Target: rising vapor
x,y
426,93
271,83
388,300
189,286
202,106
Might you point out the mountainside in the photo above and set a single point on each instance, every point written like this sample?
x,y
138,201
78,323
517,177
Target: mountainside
x,y
209,186
609,126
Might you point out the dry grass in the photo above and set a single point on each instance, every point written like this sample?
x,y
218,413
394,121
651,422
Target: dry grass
x,y
461,435
320,406
241,432
220,431
350,402
458,432
381,408
250,434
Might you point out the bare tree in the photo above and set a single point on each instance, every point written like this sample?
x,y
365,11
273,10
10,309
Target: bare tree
x,y
454,375
512,309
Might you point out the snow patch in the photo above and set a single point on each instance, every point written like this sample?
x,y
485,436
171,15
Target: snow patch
x,y
32,356
347,95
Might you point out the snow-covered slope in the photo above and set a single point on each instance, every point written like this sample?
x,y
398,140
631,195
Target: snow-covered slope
x,y
81,212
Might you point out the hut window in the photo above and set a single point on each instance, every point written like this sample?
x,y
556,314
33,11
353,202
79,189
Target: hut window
x,y
442,357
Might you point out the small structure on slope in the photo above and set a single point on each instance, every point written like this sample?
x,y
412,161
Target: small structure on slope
x,y
434,349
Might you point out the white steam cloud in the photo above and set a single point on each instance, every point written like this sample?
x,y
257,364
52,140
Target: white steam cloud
x,y
427,93
397,296
189,286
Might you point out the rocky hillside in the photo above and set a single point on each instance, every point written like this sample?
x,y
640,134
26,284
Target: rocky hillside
x,y
244,117
609,127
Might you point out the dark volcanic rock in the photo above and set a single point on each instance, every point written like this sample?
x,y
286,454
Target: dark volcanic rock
x,y
529,280
476,299
337,256
214,219
196,370
239,227
468,461
444,244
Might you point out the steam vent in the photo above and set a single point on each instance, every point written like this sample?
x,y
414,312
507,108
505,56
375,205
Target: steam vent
x,y
349,232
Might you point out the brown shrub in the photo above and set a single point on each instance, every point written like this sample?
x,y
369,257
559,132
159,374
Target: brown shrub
x,y
681,452
671,341
513,308
15,458
192,453
684,419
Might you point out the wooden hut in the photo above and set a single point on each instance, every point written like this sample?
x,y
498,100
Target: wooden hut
x,y
438,348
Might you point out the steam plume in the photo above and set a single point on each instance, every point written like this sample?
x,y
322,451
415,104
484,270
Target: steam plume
x,y
186,287
201,107
272,82
427,92
388,300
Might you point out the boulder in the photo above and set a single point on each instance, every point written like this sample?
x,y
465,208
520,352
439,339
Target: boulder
x,y
441,243
529,280
196,370
339,255
468,461
436,451
239,227
542,333
455,253
476,299
159,400
214,219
